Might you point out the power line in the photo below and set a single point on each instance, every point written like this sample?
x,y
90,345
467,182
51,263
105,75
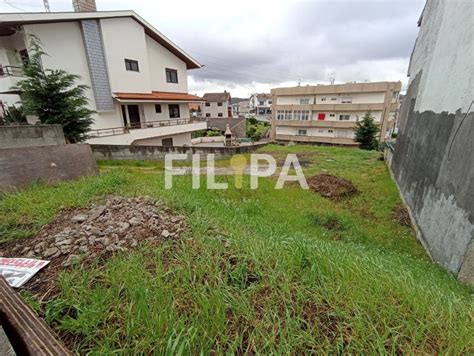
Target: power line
x,y
14,6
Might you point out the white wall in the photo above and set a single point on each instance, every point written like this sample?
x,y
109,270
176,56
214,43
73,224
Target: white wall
x,y
66,51
159,58
353,115
124,38
293,100
149,114
310,131
178,140
357,98
448,80
214,109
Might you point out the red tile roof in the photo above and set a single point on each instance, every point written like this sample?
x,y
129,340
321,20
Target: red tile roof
x,y
158,96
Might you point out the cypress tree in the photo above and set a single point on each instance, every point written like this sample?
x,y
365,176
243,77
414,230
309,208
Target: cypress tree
x,y
366,132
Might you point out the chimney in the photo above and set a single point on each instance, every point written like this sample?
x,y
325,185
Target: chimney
x,y
84,5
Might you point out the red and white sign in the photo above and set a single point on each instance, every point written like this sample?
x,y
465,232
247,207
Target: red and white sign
x,y
17,271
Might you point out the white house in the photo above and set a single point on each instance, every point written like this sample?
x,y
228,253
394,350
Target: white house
x,y
217,105
261,106
136,75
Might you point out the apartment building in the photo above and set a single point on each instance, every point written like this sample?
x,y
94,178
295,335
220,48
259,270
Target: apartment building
x,y
261,106
328,113
137,77
217,105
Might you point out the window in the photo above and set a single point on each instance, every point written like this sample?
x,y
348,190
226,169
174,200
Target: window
x,y
171,75
395,96
208,104
174,111
301,132
280,115
288,115
158,108
346,100
208,115
261,103
219,114
25,59
304,101
344,117
131,65
297,115
333,98
305,115
330,131
167,141
323,99
321,116
332,115
269,102
219,103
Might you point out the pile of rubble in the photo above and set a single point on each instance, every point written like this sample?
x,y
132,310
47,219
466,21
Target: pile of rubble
x,y
84,234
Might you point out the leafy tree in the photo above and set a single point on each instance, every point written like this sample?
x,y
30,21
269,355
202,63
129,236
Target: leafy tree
x,y
366,132
53,96
13,115
252,121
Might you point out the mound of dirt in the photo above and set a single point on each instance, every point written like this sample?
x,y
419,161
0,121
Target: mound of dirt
x,y
80,236
331,187
401,215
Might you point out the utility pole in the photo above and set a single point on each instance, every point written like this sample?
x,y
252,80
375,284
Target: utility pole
x,y
46,6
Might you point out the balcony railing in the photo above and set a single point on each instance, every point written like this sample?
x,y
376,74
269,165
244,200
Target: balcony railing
x,y
11,71
113,131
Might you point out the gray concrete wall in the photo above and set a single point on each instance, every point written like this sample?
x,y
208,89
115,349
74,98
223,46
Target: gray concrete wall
x,y
159,152
433,162
22,166
31,136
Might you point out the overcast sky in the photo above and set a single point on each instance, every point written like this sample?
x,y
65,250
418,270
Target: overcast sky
x,y
252,46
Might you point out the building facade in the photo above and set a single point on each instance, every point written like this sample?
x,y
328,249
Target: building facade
x,y
137,77
217,105
241,108
433,161
261,106
329,113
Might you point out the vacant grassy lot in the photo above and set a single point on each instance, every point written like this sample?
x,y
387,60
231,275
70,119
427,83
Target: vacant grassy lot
x,y
265,271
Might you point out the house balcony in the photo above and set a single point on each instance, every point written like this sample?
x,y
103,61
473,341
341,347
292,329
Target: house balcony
x,y
9,77
317,123
128,135
316,139
335,107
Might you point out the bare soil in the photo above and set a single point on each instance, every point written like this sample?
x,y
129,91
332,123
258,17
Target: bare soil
x,y
332,187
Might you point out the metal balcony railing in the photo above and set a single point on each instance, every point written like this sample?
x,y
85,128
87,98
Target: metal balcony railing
x,y
11,71
113,131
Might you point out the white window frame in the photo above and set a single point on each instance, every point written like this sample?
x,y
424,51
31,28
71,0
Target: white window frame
x,y
302,132
305,115
304,101
346,100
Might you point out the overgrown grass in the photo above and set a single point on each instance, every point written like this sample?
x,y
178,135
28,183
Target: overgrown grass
x,y
268,271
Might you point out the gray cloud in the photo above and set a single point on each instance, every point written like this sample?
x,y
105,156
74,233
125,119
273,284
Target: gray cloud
x,y
249,45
